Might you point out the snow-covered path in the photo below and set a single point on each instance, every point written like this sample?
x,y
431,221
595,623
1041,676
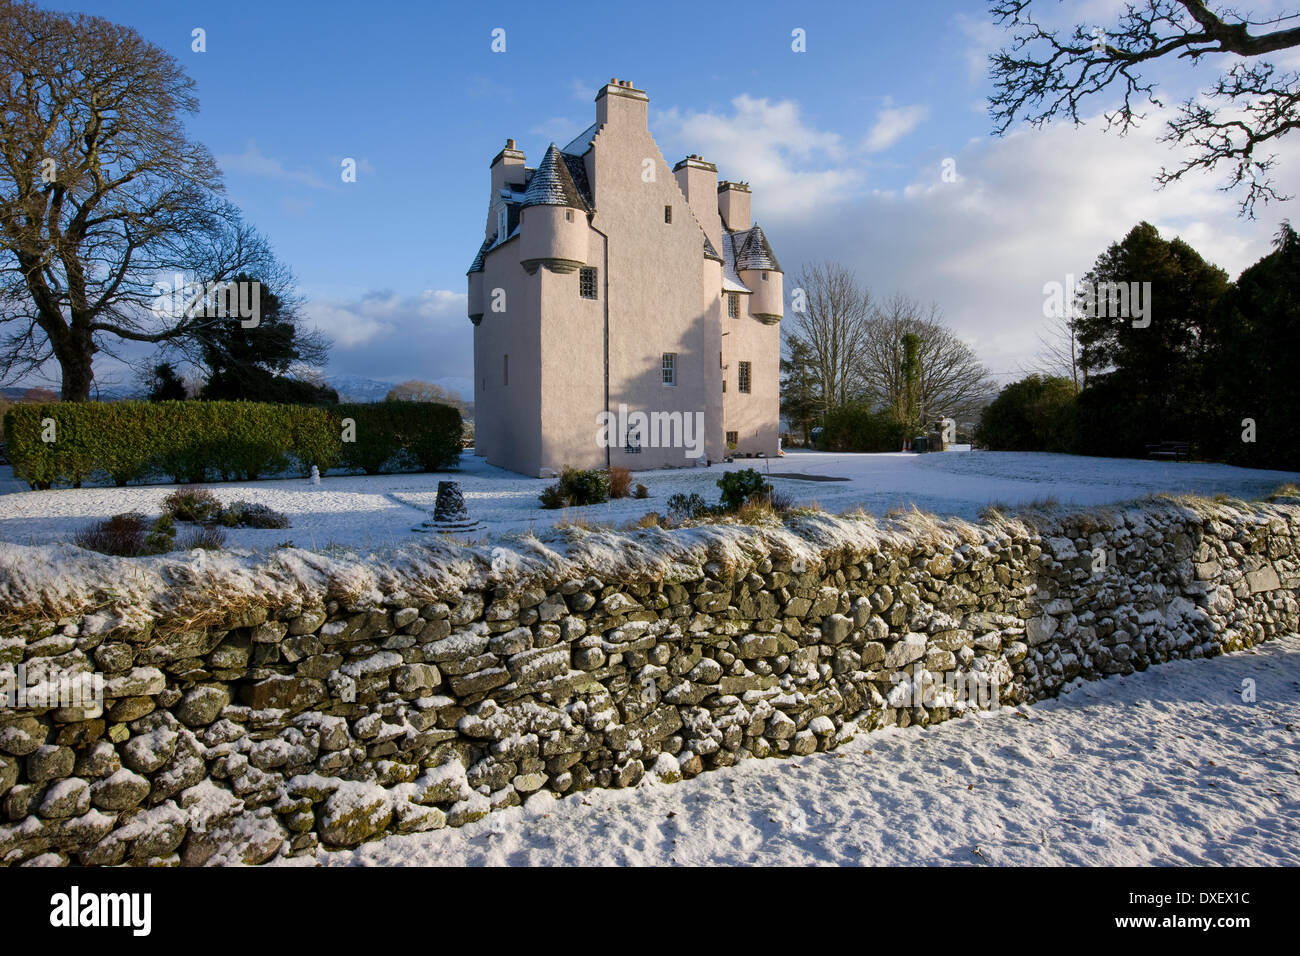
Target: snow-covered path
x,y
1168,766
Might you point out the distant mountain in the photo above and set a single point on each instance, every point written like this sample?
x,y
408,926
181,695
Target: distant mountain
x,y
356,388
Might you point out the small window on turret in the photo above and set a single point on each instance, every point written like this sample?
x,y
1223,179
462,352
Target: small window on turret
x,y
668,213
568,217
587,283
764,276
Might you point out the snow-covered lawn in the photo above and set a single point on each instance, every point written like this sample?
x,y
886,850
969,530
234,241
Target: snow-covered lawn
x,y
1168,766
377,511
368,512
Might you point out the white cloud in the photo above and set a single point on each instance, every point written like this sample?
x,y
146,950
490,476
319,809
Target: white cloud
x,y
253,162
794,166
892,124
1025,210
389,336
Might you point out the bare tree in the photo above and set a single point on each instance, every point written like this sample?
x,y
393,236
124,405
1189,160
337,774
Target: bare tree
x,y
1046,73
951,383
101,194
828,319
1059,353
418,391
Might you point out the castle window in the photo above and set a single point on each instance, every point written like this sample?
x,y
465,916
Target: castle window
x,y
568,217
733,305
733,439
505,370
670,368
587,283
668,213
501,224
764,276
745,376
633,446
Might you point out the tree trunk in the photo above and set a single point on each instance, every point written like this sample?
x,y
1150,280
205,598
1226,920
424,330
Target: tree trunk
x,y
78,374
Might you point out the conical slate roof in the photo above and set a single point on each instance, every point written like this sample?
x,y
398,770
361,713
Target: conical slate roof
x,y
552,185
754,252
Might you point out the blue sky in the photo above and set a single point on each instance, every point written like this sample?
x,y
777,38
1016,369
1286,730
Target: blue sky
x,y
845,148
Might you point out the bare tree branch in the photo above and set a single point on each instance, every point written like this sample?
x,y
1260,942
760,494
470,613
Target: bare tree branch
x,y
1046,73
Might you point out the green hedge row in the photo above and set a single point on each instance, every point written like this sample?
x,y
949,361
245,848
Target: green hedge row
x,y
189,442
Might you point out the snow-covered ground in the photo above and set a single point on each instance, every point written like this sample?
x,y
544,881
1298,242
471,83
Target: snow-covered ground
x,y
1168,766
369,512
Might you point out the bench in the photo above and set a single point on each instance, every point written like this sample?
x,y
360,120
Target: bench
x,y
1176,450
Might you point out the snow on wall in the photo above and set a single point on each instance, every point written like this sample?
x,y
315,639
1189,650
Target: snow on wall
x,y
256,705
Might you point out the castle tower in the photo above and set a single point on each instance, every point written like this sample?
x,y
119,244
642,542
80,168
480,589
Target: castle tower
x,y
553,222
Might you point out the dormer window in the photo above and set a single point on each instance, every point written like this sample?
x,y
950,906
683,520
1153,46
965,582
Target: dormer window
x,y
501,224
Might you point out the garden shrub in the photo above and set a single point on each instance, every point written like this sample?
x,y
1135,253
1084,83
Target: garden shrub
x,y
196,441
205,539
620,481
577,487
193,504
740,486
682,507
246,514
128,535
856,427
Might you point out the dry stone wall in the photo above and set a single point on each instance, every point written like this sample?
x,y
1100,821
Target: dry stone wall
x,y
288,727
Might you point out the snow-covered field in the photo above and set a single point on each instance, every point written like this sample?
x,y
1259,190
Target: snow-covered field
x,y
369,512
1168,766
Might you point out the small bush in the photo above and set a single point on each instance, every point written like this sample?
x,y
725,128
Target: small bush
x,y
641,491
576,488
780,501
246,514
740,486
127,535
553,497
160,536
756,510
685,507
193,504
651,519
205,539
620,481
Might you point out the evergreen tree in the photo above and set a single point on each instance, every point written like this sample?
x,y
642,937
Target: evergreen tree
x,y
1146,365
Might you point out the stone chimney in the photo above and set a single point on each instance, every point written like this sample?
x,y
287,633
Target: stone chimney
x,y
733,205
619,103
698,180
507,169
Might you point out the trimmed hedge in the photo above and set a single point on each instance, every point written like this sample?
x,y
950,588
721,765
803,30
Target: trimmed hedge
x,y
196,441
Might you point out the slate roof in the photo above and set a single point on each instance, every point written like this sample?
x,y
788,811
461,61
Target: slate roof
x,y
578,145
552,184
710,252
753,250
578,170
730,279
477,265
